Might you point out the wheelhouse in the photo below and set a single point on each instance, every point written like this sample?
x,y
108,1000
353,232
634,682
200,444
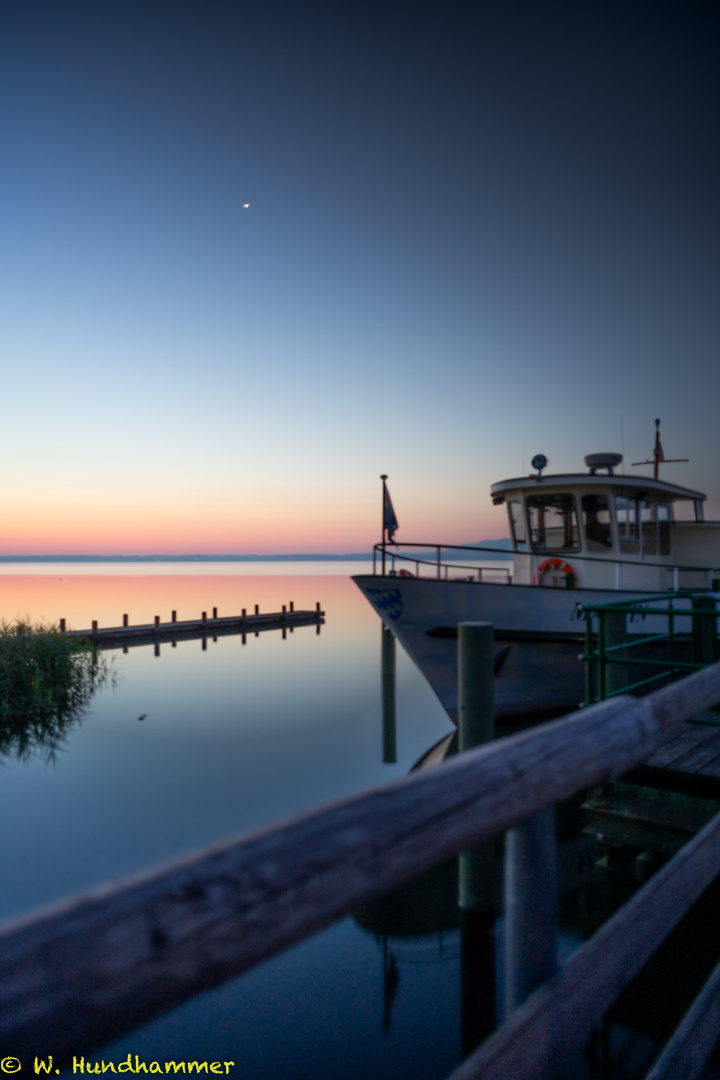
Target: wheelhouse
x,y
602,527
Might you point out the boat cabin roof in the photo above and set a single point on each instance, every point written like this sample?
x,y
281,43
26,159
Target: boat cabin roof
x,y
640,484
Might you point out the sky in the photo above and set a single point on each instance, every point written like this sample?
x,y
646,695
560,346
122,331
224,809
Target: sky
x,y
475,232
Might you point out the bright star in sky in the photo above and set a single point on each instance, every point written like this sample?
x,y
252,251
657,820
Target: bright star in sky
x,y
245,205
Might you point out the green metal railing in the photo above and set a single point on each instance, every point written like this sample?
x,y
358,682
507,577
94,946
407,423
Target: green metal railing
x,y
620,661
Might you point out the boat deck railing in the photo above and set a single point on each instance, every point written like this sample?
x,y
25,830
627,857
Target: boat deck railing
x,y
433,560
632,646
442,561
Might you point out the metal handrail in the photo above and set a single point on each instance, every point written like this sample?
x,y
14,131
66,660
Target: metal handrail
x,y
703,648
389,549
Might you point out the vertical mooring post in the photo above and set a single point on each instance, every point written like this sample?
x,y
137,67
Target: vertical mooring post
x,y
387,679
530,906
173,616
214,613
476,868
704,631
125,620
62,626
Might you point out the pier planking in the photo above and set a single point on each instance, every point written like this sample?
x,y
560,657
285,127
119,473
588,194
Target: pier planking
x,y
216,626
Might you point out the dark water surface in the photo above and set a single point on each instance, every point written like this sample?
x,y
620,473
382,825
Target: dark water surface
x,y
233,737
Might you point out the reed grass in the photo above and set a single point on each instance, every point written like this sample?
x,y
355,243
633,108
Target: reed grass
x,y
46,682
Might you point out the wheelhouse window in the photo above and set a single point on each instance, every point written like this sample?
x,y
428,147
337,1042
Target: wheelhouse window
x,y
517,524
596,522
553,523
655,519
627,523
641,518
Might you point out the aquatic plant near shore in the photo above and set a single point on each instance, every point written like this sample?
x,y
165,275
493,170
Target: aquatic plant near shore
x,y
46,682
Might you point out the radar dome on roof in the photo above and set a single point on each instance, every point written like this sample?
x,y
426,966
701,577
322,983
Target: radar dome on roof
x,y
602,461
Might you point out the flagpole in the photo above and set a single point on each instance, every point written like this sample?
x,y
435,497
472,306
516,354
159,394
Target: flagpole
x,y
384,501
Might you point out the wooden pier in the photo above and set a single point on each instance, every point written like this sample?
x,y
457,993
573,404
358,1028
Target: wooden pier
x,y
127,636
665,800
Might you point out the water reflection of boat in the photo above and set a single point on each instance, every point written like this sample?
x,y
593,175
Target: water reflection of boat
x,y
578,538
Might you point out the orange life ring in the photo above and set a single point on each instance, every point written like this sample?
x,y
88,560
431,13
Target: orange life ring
x,y
554,570
404,573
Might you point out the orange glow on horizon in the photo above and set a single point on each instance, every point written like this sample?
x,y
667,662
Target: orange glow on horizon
x,y
34,529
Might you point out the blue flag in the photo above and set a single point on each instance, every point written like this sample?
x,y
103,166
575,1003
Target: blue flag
x,y
389,520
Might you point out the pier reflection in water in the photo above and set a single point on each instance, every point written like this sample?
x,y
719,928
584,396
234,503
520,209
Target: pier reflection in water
x,y
235,738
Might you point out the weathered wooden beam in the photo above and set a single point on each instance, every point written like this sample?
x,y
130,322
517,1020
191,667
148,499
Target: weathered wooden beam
x,y
560,1015
685,1055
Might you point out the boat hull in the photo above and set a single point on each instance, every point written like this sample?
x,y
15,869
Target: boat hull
x,y
543,628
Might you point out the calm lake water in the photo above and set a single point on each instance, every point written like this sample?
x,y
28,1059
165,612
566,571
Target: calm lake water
x,y
194,746
233,737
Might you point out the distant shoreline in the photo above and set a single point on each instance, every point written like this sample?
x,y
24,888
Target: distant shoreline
x,y
350,557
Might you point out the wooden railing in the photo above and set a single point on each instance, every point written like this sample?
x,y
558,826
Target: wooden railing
x,y
78,974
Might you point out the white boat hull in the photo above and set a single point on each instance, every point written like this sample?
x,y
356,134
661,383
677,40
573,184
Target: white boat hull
x,y
543,627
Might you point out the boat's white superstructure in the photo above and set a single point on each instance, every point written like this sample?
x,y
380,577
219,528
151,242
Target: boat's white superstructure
x,y
577,538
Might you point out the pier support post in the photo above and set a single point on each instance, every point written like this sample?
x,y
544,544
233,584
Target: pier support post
x,y
125,620
704,631
477,886
387,671
476,725
530,906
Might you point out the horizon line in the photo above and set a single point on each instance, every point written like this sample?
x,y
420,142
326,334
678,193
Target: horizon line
x,y
199,557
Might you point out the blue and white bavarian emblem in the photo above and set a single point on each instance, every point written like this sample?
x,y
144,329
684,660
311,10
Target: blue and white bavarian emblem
x,y
386,601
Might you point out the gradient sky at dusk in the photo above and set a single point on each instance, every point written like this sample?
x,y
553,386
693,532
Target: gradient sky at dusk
x,y
476,231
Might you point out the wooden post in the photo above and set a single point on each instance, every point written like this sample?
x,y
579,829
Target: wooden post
x,y
173,616
704,631
476,868
204,616
214,613
284,611
476,725
157,648
244,638
62,626
244,613
94,626
317,607
476,684
284,633
204,644
157,621
257,609
125,620
530,906
292,605
387,679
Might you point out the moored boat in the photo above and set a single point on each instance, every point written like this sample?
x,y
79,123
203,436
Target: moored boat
x,y
577,539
